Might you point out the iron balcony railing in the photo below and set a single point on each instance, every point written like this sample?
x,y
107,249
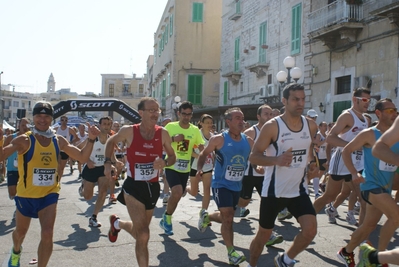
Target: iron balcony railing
x,y
334,13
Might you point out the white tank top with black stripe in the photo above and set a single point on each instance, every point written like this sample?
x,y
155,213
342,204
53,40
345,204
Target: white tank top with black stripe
x,y
288,182
250,171
337,166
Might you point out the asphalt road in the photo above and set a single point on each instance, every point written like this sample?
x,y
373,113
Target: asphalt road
x,y
77,244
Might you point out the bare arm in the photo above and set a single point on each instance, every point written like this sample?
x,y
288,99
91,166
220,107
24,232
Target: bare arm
x,y
215,142
342,125
381,148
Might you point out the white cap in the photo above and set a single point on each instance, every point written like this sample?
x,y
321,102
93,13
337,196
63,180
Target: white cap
x,y
312,113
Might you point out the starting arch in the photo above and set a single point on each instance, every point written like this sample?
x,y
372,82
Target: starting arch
x,y
97,105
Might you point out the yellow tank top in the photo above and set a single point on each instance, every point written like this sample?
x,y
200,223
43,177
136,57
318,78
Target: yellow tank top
x,y
37,169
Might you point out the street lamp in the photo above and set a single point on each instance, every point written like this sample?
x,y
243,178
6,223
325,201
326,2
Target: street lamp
x,y
295,73
176,105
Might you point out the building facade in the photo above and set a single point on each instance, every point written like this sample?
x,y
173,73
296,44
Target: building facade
x,y
256,37
352,44
127,88
186,59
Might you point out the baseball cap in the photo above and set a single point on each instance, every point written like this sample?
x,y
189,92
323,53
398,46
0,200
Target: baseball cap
x,y
312,113
165,119
43,108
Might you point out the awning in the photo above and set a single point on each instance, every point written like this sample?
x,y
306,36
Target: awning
x,y
7,126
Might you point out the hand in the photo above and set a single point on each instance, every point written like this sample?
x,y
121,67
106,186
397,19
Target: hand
x,y
198,176
285,159
260,169
358,178
159,163
178,137
90,164
201,147
93,131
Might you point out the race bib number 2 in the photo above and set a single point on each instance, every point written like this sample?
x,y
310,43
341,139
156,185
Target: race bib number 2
x,y
43,177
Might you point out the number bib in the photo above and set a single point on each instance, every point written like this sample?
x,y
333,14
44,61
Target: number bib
x,y
99,160
43,177
144,171
357,158
234,173
181,165
383,166
299,159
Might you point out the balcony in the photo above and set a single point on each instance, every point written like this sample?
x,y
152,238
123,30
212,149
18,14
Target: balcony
x,y
233,76
385,8
334,22
258,68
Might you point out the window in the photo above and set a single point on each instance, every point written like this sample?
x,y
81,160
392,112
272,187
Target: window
x,y
238,6
343,85
166,34
163,93
155,56
198,9
195,89
162,43
171,25
237,54
160,48
241,86
296,29
15,104
225,92
168,85
262,41
141,88
111,90
126,88
23,105
339,107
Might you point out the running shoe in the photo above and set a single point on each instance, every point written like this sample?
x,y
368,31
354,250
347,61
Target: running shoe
x,y
112,199
331,215
203,221
350,218
244,212
14,258
347,258
364,252
274,239
113,232
166,224
284,215
279,261
94,223
165,199
235,258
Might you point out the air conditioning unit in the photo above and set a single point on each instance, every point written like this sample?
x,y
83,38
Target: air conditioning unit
x,y
262,91
362,81
272,90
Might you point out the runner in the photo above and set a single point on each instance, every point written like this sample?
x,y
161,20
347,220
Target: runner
x,y
185,136
38,186
348,125
376,183
82,135
287,140
232,149
93,171
141,189
205,125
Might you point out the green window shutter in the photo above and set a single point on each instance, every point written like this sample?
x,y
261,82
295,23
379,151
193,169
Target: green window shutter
x,y
166,33
195,89
296,29
237,54
238,7
225,93
163,102
171,24
339,107
198,9
262,41
168,85
160,47
155,56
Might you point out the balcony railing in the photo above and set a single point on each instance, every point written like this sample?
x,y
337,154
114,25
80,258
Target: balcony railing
x,y
334,13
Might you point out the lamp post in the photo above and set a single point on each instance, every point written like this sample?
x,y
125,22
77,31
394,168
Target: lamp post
x,y
1,103
176,105
293,72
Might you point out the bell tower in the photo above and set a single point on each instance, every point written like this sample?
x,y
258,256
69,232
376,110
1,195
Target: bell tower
x,y
51,83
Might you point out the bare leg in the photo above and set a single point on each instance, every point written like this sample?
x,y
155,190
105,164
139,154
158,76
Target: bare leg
x,y
306,235
47,220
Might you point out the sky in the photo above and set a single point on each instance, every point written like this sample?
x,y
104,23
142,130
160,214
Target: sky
x,y
76,40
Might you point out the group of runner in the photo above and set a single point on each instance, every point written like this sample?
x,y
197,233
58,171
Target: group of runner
x,y
276,156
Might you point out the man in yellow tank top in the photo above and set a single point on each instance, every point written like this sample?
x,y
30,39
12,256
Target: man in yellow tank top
x,y
38,185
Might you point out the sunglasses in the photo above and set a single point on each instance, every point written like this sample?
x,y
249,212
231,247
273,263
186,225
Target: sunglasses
x,y
390,110
363,99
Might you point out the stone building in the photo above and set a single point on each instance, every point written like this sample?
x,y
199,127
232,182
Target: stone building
x,y
186,59
351,44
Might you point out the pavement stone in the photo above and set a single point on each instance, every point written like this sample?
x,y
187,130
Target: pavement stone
x,y
77,244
